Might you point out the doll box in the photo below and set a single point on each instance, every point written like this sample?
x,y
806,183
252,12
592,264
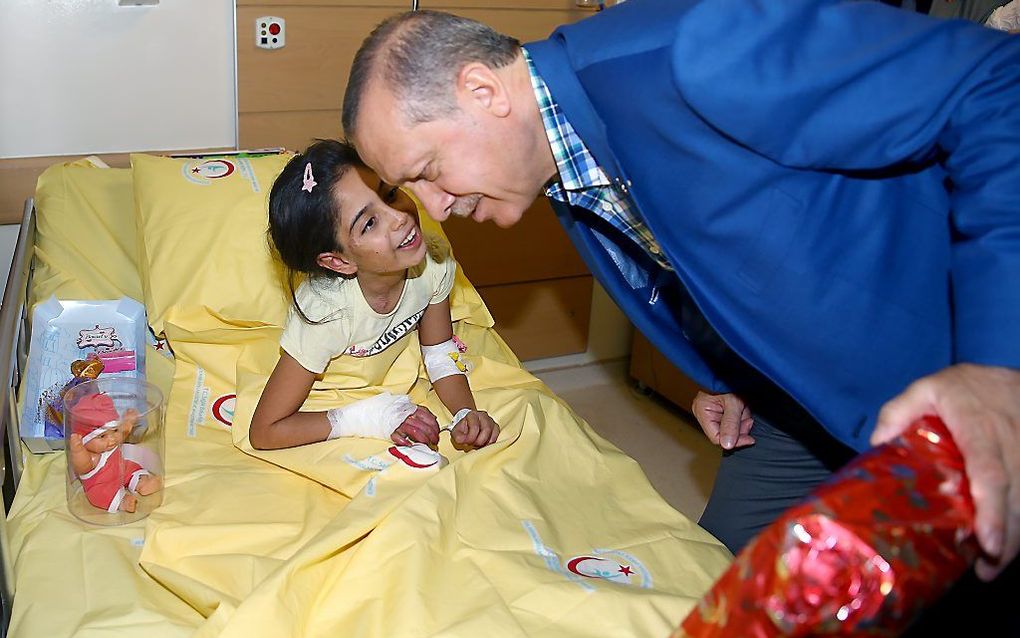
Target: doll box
x,y
74,341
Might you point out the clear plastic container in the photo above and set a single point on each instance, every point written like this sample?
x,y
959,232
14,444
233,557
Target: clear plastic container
x,y
113,430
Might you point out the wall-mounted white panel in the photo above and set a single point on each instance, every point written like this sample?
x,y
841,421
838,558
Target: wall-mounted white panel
x,y
89,76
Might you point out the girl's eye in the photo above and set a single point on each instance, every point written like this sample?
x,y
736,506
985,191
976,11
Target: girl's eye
x,y
391,195
368,225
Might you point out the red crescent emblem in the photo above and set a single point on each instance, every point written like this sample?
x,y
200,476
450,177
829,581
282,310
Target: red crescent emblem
x,y
229,165
574,562
226,417
617,570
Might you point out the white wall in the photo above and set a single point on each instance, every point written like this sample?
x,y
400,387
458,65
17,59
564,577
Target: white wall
x,y
89,76
8,238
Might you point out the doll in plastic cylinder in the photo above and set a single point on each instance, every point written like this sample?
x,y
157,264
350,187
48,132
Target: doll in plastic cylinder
x,y
110,481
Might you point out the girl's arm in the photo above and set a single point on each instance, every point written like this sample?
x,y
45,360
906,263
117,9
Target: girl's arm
x,y
277,422
478,428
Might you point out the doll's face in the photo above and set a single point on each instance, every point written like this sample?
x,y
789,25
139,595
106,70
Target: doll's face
x,y
106,441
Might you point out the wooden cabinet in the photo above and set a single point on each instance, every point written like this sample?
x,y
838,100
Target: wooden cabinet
x,y
533,281
650,368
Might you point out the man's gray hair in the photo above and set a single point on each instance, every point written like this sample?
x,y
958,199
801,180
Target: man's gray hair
x,y
418,55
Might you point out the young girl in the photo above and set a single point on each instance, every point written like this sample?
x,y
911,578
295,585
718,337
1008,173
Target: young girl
x,y
371,280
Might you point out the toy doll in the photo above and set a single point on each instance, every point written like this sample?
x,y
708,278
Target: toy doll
x,y
110,480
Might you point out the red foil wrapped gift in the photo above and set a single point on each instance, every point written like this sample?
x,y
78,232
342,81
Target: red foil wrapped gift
x,y
862,556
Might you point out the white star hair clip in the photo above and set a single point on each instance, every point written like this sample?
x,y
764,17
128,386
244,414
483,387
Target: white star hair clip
x,y
309,181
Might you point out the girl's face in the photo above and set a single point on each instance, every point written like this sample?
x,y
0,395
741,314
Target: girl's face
x,y
378,227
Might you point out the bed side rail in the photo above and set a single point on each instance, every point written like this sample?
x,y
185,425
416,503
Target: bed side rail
x,y
13,350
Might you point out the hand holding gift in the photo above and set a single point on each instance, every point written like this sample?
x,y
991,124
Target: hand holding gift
x,y
886,536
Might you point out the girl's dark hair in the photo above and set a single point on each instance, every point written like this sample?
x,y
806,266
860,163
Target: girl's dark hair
x,y
303,223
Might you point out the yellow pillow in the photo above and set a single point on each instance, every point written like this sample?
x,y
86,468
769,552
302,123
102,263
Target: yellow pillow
x,y
204,250
86,244
79,200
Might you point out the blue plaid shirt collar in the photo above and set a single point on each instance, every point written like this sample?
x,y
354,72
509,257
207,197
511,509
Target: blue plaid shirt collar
x,y
575,164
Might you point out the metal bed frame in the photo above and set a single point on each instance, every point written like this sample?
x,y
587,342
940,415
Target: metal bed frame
x,y
13,354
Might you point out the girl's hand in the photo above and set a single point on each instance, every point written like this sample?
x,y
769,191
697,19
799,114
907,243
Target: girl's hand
x,y
420,426
477,429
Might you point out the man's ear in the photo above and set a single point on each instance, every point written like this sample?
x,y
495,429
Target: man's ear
x,y
336,263
485,88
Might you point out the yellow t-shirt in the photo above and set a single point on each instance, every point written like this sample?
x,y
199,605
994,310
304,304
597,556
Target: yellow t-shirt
x,y
347,325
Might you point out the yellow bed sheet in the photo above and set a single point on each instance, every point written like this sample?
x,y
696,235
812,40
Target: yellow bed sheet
x,y
551,531
74,579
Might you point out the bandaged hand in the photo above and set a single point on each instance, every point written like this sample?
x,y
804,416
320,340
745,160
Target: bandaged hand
x,y
476,429
382,417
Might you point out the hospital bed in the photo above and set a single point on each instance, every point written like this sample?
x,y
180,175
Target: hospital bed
x,y
552,531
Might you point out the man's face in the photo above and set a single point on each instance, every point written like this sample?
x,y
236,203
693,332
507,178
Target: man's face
x,y
468,163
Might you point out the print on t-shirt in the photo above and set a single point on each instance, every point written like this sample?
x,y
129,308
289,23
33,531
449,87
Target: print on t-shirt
x,y
388,338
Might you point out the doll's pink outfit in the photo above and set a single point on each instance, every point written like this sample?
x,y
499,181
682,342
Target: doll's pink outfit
x,y
105,484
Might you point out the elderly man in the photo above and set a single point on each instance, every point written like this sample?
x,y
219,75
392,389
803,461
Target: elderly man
x,y
810,206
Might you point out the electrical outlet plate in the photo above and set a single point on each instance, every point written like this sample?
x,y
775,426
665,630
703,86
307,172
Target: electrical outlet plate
x,y
270,32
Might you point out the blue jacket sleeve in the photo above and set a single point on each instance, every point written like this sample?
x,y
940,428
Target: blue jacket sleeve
x,y
857,86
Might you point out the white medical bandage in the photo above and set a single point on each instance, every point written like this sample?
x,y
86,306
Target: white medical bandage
x,y
443,360
374,418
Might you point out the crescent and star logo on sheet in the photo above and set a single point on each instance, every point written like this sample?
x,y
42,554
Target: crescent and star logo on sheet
x,y
613,565
601,567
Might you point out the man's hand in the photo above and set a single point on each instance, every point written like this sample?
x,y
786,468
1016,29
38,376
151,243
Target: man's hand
x,y
725,418
420,426
477,429
981,407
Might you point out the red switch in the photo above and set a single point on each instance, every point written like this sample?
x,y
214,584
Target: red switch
x,y
270,32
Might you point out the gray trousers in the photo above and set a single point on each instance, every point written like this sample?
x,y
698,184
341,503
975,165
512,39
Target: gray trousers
x,y
756,484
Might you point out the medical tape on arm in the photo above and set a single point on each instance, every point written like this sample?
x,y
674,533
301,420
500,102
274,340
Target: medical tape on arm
x,y
443,360
375,418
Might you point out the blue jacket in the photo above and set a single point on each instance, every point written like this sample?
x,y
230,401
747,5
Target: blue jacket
x,y
836,183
